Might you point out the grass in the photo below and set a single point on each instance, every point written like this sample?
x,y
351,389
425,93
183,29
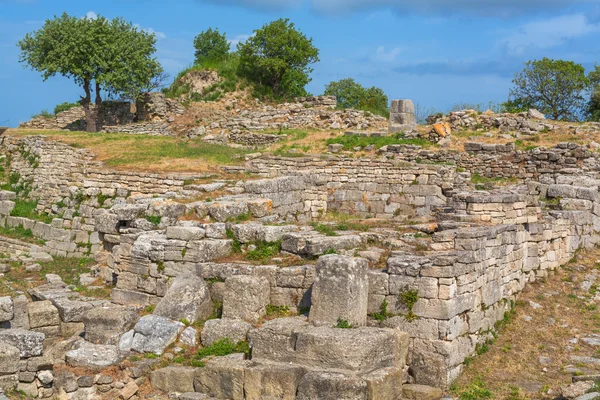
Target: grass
x,y
264,251
220,348
478,179
147,153
323,229
343,324
350,142
20,233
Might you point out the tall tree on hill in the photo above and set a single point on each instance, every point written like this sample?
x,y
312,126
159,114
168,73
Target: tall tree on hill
x,y
98,54
279,56
554,87
211,45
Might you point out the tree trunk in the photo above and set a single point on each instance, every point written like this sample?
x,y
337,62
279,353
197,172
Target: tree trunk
x,y
90,113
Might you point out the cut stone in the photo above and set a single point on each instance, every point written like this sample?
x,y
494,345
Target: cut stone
x,y
105,325
94,356
187,298
173,379
217,329
246,297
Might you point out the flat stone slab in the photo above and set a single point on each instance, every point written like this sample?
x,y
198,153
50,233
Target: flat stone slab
x,y
29,343
95,356
217,329
312,244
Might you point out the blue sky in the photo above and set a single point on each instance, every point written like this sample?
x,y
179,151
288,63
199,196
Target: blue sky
x,y
435,52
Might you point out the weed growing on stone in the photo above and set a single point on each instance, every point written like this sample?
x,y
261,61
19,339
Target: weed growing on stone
x,y
264,251
18,232
323,229
220,348
343,324
155,219
278,311
330,251
408,298
236,245
383,313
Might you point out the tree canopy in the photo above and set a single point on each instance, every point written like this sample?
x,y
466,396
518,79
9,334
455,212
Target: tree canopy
x,y
557,88
351,94
279,56
210,46
112,55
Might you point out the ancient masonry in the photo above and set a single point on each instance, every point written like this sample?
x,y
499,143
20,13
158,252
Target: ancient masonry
x,y
386,313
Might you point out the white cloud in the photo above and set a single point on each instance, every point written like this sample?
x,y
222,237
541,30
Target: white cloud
x,y
548,33
91,15
387,56
158,35
238,39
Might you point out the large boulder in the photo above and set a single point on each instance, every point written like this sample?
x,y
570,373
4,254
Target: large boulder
x,y
340,291
246,297
153,333
217,329
187,298
105,325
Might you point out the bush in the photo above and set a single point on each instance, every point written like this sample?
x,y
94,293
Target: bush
x,y
64,107
210,45
43,113
351,94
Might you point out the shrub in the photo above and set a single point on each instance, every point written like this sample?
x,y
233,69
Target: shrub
x,y
343,324
220,348
64,107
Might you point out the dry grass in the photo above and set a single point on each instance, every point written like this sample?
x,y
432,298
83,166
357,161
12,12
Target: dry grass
x,y
147,153
511,369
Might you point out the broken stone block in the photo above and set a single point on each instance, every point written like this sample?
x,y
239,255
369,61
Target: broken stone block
x,y
187,298
173,379
331,386
275,340
9,359
153,333
340,291
384,383
43,314
222,378
360,350
70,310
105,325
29,343
263,380
6,309
94,356
189,337
246,297
421,392
217,329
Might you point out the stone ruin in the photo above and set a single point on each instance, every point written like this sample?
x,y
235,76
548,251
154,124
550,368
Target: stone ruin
x,y
384,313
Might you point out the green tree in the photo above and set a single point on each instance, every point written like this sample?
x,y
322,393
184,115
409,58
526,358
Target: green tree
x,y
351,94
210,45
516,105
593,106
279,57
554,87
97,54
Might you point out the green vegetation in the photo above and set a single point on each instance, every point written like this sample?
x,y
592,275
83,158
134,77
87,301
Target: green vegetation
x,y
554,87
481,181
323,229
155,219
43,113
18,232
477,390
383,313
278,311
343,324
211,46
237,245
350,142
98,54
221,348
408,298
351,94
65,106
278,56
264,251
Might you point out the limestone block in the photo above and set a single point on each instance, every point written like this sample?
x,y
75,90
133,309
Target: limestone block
x,y
331,386
246,297
265,380
173,379
94,356
340,291
104,325
222,377
185,233
9,359
153,333
43,314
384,384
187,298
6,309
217,329
275,340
